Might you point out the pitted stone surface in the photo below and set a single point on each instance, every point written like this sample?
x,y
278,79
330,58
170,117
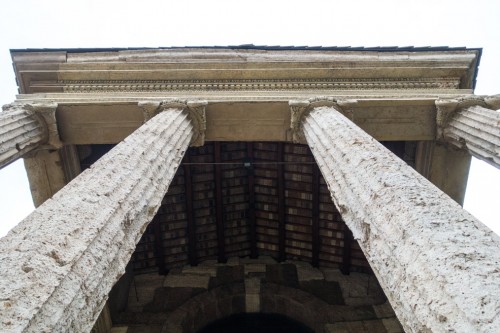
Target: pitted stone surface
x,y
438,265
59,264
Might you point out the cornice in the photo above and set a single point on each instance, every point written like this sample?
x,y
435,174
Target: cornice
x,y
208,69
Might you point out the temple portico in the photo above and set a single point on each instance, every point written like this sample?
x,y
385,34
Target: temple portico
x,y
387,135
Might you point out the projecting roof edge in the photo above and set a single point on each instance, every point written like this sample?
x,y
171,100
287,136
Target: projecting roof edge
x,y
71,55
262,47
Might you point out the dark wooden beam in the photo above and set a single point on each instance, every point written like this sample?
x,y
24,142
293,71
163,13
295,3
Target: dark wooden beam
x,y
160,260
191,225
315,216
219,206
346,256
251,200
281,203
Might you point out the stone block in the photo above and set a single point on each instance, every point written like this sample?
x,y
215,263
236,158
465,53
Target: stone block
x,y
252,286
332,274
328,291
337,328
357,288
171,328
120,329
384,310
227,275
374,326
252,303
268,304
155,328
233,261
309,273
260,260
201,270
141,329
356,313
209,309
284,274
142,290
392,325
209,263
356,326
225,306
168,299
187,280
239,304
255,268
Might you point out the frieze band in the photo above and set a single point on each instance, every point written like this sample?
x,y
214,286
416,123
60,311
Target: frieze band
x,y
259,85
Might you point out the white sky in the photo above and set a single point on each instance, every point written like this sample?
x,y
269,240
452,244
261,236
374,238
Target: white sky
x,y
100,23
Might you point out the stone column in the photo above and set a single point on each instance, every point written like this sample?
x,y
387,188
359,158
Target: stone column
x,y
438,265
24,127
471,124
59,264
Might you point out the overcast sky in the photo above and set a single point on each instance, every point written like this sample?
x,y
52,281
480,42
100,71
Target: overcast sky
x,y
101,23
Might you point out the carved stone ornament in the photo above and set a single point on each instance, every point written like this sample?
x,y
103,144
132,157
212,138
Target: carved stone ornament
x,y
493,101
300,109
446,108
149,109
45,114
194,108
91,86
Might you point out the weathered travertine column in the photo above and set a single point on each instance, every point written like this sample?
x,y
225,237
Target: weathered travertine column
x,y
472,124
24,127
438,265
59,264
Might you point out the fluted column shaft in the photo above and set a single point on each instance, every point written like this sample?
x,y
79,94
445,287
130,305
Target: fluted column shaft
x,y
476,129
438,265
59,264
24,127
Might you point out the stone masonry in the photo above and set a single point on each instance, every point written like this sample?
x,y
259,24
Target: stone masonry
x,y
190,297
438,265
59,264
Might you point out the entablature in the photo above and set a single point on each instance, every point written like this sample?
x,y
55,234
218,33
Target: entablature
x,y
109,118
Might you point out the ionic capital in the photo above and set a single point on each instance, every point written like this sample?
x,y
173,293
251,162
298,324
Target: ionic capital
x,y
195,110
493,101
446,109
301,108
45,115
